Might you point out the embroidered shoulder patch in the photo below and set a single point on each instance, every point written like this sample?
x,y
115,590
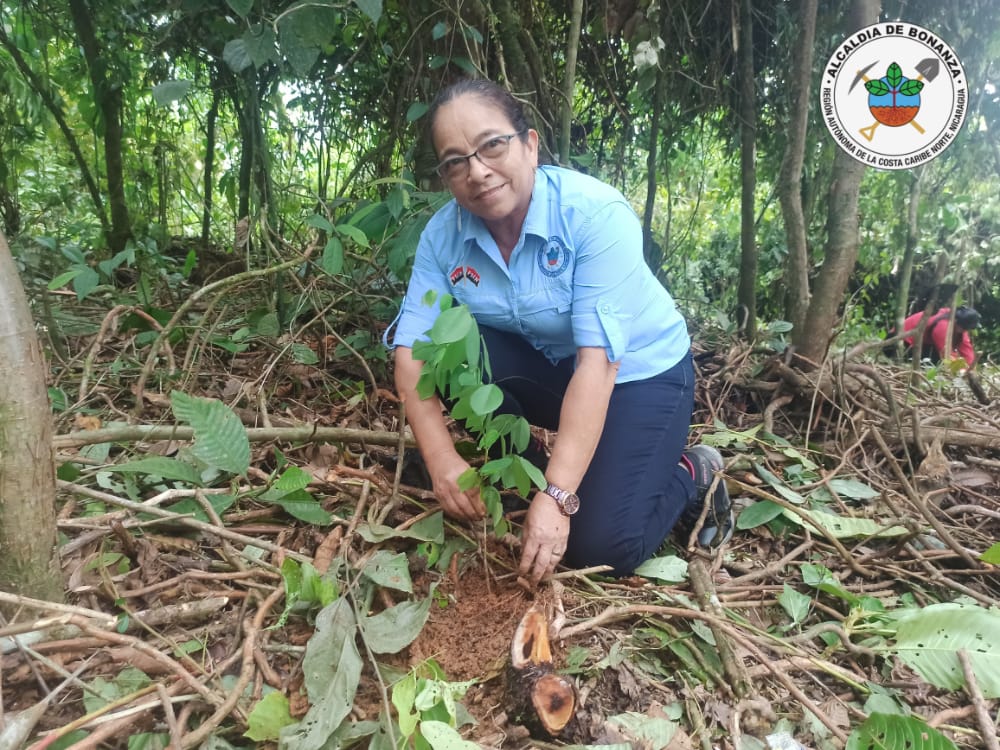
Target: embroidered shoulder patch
x,y
553,257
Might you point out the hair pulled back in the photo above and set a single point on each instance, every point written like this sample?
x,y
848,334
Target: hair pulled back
x,y
488,91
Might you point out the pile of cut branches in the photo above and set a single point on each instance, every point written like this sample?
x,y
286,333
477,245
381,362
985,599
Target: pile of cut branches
x,y
231,586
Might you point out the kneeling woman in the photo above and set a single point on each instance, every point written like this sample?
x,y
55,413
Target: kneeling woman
x,y
581,336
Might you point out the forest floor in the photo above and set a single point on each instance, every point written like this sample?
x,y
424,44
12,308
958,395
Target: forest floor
x,y
864,496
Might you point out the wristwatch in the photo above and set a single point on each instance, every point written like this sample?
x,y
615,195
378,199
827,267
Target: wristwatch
x,y
568,502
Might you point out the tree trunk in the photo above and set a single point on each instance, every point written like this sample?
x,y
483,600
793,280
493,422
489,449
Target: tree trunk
x,y
28,564
210,123
747,294
912,237
841,251
790,181
108,95
650,250
569,81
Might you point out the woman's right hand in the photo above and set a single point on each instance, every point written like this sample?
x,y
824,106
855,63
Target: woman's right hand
x,y
444,470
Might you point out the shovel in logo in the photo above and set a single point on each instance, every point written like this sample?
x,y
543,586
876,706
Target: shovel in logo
x,y
894,99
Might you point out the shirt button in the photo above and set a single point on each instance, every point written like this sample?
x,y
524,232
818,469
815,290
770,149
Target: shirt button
x,y
605,308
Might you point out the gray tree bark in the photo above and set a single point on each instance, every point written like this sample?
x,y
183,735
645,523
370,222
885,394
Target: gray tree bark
x,y
108,96
28,564
841,250
747,293
790,180
569,81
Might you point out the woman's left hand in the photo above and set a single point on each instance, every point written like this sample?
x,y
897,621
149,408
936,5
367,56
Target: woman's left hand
x,y
546,531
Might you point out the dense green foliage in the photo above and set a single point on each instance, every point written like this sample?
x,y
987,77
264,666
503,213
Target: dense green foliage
x,y
248,127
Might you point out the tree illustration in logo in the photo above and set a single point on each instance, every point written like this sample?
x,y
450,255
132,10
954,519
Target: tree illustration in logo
x,y
894,99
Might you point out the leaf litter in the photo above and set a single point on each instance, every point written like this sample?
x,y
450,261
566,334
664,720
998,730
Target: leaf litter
x,y
854,603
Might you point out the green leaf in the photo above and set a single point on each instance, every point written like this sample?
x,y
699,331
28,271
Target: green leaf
x,y
161,466
356,234
486,399
451,325
300,54
877,88
894,75
169,92
393,629
303,506
911,88
822,578
468,479
928,641
465,64
236,56
403,694
853,489
189,506
104,691
670,569
303,354
496,467
795,603
268,717
85,282
371,8
317,221
416,110
430,529
780,487
758,514
240,7
332,669
148,741
895,732
260,44
534,473
644,730
64,278
389,570
843,527
293,478
220,440
992,555
443,737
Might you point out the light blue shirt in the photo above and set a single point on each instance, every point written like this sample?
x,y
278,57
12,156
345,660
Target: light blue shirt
x,y
577,277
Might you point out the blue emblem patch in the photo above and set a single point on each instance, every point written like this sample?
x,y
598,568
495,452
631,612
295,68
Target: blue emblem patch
x,y
553,257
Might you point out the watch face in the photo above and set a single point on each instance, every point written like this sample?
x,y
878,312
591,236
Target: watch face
x,y
570,504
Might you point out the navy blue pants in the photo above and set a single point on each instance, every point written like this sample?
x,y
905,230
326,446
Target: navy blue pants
x,y
635,489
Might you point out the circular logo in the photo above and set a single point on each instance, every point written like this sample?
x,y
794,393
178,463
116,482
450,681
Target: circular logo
x,y
553,257
894,95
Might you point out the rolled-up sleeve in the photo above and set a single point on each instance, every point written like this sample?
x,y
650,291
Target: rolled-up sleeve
x,y
608,256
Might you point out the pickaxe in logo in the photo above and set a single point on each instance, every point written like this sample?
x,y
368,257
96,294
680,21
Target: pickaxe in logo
x,y
927,68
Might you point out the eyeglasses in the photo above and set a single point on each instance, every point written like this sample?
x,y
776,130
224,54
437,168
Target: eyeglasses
x,y
492,150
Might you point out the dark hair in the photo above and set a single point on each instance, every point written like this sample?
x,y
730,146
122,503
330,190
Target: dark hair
x,y
492,93
966,317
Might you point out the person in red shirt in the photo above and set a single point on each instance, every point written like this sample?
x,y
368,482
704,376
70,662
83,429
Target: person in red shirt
x,y
934,344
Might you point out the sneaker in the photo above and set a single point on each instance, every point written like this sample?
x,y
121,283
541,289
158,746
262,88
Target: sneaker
x,y
703,461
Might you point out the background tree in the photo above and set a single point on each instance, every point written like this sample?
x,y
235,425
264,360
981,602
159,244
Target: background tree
x,y
747,295
790,178
841,249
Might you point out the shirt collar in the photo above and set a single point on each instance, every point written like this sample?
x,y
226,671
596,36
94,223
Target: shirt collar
x,y
535,222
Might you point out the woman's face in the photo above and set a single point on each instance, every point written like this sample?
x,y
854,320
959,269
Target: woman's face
x,y
495,189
